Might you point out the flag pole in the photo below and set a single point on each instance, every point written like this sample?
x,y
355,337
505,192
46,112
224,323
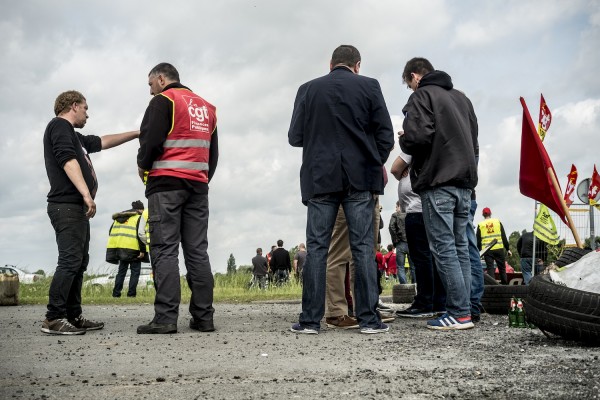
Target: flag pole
x,y
533,242
564,207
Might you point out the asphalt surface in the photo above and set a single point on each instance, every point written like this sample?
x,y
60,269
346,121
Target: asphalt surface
x,y
252,355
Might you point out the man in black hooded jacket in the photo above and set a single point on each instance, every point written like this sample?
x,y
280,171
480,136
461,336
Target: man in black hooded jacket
x,y
440,132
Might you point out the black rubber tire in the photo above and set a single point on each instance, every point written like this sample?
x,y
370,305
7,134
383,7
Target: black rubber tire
x,y
496,298
489,280
570,313
567,328
573,300
570,255
403,293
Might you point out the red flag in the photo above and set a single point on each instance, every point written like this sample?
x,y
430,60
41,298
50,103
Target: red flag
x,y
594,187
534,180
570,190
545,118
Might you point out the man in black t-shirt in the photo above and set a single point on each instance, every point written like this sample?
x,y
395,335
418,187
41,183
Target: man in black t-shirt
x,y
73,186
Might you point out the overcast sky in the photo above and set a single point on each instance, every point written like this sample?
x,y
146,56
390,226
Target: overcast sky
x,y
248,58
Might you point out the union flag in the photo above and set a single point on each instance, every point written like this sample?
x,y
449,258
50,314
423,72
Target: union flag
x,y
545,118
570,189
594,187
534,178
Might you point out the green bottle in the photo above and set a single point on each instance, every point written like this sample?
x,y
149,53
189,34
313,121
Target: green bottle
x,y
520,314
512,313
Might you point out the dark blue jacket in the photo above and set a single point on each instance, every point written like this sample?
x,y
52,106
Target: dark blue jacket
x,y
343,125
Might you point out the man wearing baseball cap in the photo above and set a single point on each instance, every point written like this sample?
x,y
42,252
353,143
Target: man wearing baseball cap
x,y
488,230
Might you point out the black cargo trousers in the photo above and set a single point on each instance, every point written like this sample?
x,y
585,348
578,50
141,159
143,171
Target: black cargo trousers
x,y
174,217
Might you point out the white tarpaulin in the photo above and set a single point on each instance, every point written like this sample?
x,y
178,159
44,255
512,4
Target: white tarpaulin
x,y
583,274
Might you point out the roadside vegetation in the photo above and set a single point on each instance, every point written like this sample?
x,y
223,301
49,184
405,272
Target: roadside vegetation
x,y
229,288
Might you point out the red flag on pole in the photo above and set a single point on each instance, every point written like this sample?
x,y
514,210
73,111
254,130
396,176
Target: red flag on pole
x,y
545,118
534,175
570,189
594,187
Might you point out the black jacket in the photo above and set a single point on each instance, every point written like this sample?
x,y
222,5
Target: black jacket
x,y
156,125
280,260
343,125
525,247
440,132
397,228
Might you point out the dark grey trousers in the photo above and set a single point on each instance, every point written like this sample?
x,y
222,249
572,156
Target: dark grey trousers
x,y
175,217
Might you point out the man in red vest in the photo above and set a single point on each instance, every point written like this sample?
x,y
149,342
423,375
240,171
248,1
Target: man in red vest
x,y
178,154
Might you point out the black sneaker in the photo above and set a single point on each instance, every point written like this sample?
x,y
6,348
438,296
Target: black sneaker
x,y
475,317
202,326
156,328
82,323
61,326
415,312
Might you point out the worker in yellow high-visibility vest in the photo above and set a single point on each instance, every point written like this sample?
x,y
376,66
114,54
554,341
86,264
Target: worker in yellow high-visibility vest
x,y
127,246
488,230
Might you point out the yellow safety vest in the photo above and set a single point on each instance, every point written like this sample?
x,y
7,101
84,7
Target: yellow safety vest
x,y
490,230
124,235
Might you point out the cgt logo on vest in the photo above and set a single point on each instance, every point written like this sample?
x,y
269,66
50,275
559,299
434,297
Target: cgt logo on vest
x,y
198,116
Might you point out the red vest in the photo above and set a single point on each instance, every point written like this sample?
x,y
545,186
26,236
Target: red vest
x,y
186,150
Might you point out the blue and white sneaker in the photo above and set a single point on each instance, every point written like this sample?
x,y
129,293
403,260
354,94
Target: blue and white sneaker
x,y
297,328
382,328
447,322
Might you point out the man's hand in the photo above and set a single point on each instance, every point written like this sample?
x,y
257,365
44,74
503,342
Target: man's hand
x,y
91,206
140,256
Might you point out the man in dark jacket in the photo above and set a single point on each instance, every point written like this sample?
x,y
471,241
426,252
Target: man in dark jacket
x,y
178,153
525,250
127,247
440,132
398,234
280,263
260,269
342,124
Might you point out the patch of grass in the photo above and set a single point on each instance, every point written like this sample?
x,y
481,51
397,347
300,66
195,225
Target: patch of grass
x,y
228,289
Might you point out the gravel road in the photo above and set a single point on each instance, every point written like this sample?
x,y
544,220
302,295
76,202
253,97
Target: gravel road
x,y
252,355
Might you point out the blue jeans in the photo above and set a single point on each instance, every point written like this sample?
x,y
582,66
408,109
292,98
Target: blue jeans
x,y
430,291
136,268
401,254
476,270
526,269
72,229
322,210
446,216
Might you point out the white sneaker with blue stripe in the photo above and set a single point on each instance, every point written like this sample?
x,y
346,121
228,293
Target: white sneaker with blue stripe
x,y
447,322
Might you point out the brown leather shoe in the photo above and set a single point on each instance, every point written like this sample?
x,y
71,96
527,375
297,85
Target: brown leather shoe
x,y
341,322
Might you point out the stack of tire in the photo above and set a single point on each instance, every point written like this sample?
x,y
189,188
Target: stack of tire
x,y
403,293
496,297
569,313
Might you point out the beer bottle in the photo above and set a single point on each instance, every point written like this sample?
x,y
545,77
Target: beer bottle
x,y
512,313
520,314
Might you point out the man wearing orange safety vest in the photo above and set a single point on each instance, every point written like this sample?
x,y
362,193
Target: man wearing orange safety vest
x,y
488,230
178,154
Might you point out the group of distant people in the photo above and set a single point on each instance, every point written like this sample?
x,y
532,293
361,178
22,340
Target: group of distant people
x,y
277,267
